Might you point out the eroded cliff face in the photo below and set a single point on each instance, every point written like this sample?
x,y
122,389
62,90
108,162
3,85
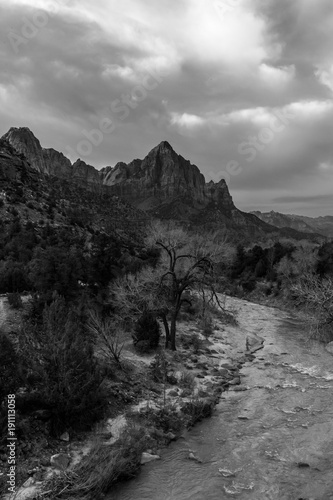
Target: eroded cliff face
x,y
13,166
45,161
85,174
164,175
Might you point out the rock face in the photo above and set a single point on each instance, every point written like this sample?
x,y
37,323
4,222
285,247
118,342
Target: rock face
x,y
84,174
45,161
13,166
161,176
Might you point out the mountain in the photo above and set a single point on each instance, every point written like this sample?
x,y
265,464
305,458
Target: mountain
x,y
318,225
45,161
164,185
42,199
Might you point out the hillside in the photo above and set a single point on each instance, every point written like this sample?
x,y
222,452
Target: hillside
x,y
319,225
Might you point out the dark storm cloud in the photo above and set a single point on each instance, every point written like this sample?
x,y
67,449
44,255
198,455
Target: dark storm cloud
x,y
222,80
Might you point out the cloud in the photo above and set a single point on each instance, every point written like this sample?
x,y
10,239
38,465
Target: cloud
x,y
226,76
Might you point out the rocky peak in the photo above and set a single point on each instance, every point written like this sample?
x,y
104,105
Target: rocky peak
x,y
164,175
24,141
45,161
85,174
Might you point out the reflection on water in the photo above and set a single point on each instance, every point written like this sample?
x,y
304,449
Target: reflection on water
x,y
271,442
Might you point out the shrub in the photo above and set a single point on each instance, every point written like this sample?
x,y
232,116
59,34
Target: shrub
x,y
159,367
147,332
187,380
191,342
13,277
9,378
107,334
14,300
168,419
61,368
197,409
249,285
101,468
207,326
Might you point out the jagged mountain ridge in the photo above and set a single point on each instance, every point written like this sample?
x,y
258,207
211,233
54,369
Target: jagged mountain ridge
x,y
162,174
321,225
163,184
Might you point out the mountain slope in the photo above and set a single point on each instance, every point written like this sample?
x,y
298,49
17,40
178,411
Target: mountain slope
x,y
318,225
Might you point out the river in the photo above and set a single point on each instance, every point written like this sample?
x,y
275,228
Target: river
x,y
274,441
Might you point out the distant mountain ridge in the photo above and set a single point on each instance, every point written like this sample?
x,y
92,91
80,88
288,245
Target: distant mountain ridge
x,y
163,184
320,225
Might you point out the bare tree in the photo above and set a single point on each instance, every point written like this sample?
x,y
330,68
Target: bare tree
x,y
134,294
317,294
188,262
108,335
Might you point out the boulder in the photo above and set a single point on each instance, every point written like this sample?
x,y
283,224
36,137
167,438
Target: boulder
x,y
29,482
191,456
329,348
170,436
148,457
60,461
64,436
235,381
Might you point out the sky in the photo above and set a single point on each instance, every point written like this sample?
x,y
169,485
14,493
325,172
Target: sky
x,y
241,88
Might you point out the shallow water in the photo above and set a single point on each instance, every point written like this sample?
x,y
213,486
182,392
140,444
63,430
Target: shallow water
x,y
273,441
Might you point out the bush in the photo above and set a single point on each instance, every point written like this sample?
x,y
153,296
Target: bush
x,y
207,326
147,332
9,378
13,277
191,342
14,300
197,409
108,335
187,380
61,368
159,367
249,285
101,468
168,419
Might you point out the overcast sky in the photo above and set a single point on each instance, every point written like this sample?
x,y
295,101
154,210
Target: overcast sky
x,y
241,88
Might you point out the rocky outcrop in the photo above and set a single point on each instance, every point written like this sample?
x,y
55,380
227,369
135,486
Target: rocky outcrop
x,y
45,161
162,176
13,166
85,174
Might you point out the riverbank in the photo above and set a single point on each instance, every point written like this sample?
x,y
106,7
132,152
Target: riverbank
x,y
271,441
157,398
